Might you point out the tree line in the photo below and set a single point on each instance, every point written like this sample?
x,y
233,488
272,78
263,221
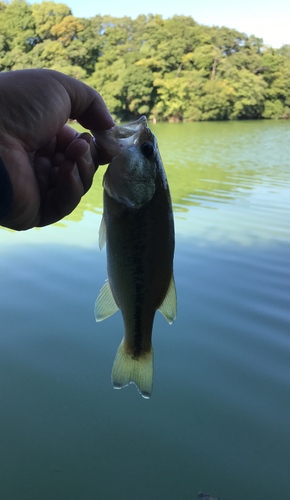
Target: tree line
x,y
168,69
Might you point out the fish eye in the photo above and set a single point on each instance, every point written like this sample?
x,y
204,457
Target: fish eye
x,y
147,149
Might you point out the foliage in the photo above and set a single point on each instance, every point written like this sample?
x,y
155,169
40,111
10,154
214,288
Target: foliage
x,y
169,69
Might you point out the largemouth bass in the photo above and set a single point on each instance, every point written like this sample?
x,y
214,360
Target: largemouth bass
x,y
138,230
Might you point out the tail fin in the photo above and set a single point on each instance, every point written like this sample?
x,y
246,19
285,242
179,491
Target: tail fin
x,y
127,370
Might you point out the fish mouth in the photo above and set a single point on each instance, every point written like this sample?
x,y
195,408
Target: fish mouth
x,y
121,136
130,129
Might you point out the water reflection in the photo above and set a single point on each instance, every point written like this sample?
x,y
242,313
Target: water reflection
x,y
239,169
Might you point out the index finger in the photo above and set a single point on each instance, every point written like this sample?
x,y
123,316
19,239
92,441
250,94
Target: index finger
x,y
63,139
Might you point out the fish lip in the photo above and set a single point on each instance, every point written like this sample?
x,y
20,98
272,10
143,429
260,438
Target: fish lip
x,y
120,137
131,128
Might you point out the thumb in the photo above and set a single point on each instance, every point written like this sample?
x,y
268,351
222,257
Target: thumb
x,y
87,106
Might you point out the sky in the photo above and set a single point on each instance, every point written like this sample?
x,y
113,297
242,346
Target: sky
x,y
265,19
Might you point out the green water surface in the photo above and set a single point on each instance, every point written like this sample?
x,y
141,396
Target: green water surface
x,y
218,419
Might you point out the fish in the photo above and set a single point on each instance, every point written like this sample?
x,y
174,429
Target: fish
x,y
138,230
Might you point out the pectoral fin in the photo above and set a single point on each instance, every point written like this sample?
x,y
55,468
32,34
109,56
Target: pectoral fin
x,y
102,234
105,305
169,304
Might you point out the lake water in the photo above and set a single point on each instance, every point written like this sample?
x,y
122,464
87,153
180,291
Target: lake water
x,y
219,417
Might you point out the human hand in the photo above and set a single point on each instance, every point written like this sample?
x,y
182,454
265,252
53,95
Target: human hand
x,y
50,165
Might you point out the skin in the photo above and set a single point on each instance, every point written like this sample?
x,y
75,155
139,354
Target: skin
x,y
50,165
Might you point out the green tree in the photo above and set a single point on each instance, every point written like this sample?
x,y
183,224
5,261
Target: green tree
x,y
276,65
46,15
170,69
17,32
